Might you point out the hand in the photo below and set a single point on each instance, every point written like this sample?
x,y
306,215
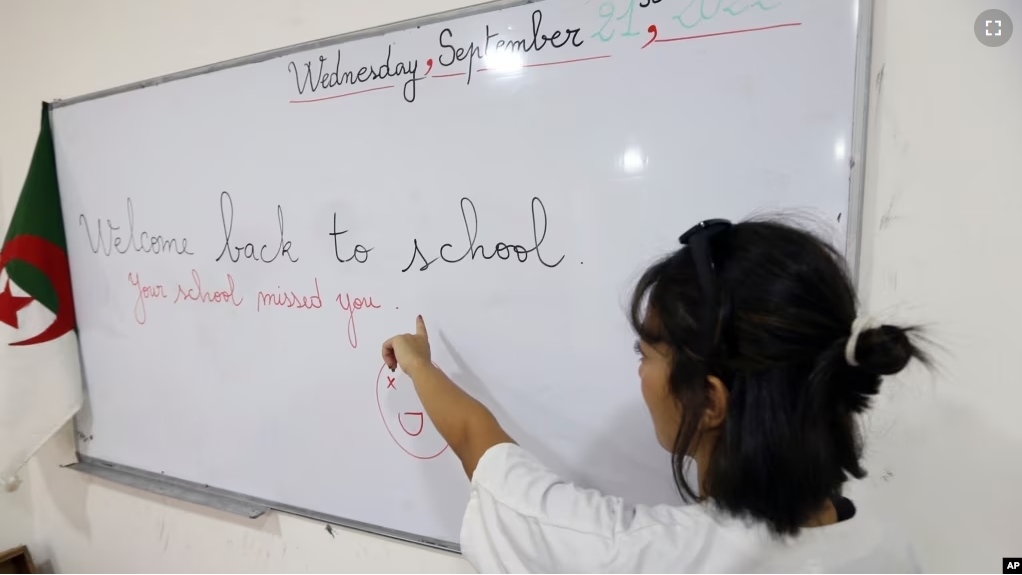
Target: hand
x,y
410,352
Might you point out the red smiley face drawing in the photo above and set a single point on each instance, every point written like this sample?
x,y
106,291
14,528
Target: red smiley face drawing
x,y
404,418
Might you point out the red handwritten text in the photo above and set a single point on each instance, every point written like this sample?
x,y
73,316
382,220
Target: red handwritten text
x,y
422,422
144,292
351,305
201,296
290,299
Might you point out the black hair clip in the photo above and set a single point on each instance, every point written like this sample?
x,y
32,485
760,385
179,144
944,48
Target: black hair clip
x,y
710,227
698,240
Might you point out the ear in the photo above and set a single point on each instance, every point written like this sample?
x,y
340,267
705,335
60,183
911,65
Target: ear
x,y
717,397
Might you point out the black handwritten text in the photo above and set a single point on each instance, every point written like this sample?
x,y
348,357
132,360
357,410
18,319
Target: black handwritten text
x,y
144,242
248,251
473,52
500,250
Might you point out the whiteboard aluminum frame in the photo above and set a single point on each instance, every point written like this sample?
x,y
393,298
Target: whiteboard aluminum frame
x,y
232,502
254,507
860,123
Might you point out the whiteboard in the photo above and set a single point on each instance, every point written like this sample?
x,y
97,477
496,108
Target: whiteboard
x,y
243,238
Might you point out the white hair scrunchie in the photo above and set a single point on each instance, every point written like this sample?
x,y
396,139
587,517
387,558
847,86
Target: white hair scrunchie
x,y
860,325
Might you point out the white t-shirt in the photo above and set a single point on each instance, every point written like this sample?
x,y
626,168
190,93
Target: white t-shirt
x,y
523,518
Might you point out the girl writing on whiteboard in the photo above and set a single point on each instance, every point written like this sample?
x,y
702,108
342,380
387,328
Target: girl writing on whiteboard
x,y
753,364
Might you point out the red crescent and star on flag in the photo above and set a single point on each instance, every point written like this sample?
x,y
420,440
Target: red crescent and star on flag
x,y
52,262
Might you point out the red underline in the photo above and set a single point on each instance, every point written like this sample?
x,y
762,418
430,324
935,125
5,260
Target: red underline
x,y
448,75
551,63
339,95
730,32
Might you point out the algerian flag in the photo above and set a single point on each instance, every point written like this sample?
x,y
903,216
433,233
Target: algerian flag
x,y
40,377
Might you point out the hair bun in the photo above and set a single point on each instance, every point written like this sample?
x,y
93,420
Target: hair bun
x,y
885,350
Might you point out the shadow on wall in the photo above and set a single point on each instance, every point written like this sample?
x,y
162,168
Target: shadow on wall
x,y
64,488
16,515
68,496
621,454
631,462
923,475
468,380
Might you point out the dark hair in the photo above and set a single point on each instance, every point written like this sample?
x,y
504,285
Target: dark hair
x,y
786,307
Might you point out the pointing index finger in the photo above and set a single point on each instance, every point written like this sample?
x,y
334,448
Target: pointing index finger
x,y
388,354
420,327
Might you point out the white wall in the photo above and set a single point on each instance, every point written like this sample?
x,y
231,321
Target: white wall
x,y
942,206
944,200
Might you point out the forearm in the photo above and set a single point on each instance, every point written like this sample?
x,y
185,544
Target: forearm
x,y
467,426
